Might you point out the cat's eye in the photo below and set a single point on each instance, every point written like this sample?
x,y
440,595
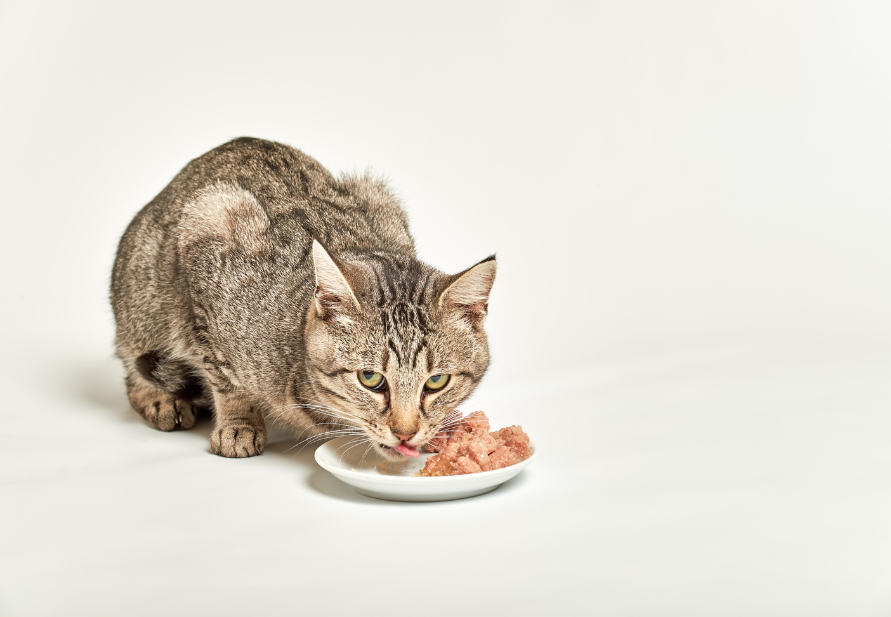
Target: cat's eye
x,y
437,382
371,379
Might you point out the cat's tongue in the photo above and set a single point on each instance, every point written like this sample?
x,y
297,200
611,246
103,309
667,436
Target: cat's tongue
x,y
407,450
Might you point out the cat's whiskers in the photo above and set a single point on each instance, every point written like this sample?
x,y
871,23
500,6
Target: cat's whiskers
x,y
328,407
351,424
452,423
326,435
352,420
364,454
322,408
319,407
453,419
354,426
277,418
344,424
354,442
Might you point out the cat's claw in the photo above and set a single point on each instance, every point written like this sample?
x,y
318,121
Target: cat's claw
x,y
238,441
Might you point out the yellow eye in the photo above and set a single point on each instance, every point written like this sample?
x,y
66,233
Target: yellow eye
x,y
371,379
437,382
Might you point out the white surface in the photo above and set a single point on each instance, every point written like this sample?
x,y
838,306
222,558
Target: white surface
x,y
372,476
690,205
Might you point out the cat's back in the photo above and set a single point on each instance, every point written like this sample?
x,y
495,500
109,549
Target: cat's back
x,y
239,222
300,198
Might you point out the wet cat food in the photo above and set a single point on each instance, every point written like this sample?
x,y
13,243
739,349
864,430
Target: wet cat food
x,y
469,447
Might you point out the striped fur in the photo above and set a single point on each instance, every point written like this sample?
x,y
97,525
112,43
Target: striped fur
x,y
257,285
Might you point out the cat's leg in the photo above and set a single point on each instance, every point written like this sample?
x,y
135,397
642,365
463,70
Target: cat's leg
x,y
164,391
240,430
160,409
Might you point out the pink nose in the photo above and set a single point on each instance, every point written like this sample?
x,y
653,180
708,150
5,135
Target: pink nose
x,y
405,437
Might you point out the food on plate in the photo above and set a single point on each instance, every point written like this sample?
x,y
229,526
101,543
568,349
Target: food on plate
x,y
467,446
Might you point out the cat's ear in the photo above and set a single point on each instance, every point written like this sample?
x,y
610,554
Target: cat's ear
x,y
469,291
333,293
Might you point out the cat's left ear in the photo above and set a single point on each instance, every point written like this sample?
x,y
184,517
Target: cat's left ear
x,y
333,295
469,291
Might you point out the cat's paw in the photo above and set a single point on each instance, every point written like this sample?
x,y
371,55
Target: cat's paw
x,y
238,441
162,411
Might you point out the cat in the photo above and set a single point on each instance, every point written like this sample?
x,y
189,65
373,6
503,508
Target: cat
x,y
259,286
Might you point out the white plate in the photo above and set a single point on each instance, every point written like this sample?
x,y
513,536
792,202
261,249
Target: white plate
x,y
370,475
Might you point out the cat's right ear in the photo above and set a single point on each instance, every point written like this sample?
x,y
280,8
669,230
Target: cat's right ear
x,y
333,295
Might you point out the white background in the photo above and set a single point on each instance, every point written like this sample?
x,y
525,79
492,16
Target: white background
x,y
691,207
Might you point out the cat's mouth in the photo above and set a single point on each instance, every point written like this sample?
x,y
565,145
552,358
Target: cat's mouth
x,y
401,450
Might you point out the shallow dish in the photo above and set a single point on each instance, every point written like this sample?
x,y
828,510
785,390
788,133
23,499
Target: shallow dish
x,y
370,475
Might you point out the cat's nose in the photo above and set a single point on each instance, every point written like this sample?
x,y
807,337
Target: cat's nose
x,y
404,437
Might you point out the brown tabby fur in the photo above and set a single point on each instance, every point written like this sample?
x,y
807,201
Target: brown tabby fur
x,y
258,284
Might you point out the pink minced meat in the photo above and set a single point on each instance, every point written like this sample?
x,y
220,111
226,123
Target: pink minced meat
x,y
469,447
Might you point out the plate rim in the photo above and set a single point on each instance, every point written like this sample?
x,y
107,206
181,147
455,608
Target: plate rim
x,y
378,478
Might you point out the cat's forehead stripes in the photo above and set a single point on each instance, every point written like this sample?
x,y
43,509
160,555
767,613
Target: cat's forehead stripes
x,y
406,328
400,279
403,295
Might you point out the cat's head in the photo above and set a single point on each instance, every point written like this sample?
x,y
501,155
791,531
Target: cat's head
x,y
393,345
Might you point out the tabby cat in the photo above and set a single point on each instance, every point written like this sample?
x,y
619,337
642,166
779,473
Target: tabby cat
x,y
259,286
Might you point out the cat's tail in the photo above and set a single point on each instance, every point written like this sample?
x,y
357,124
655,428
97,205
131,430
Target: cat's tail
x,y
175,376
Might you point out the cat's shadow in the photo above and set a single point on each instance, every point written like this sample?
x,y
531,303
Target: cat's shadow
x,y
100,385
318,480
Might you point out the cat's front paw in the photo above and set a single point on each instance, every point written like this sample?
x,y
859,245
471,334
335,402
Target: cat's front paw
x,y
238,441
162,411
